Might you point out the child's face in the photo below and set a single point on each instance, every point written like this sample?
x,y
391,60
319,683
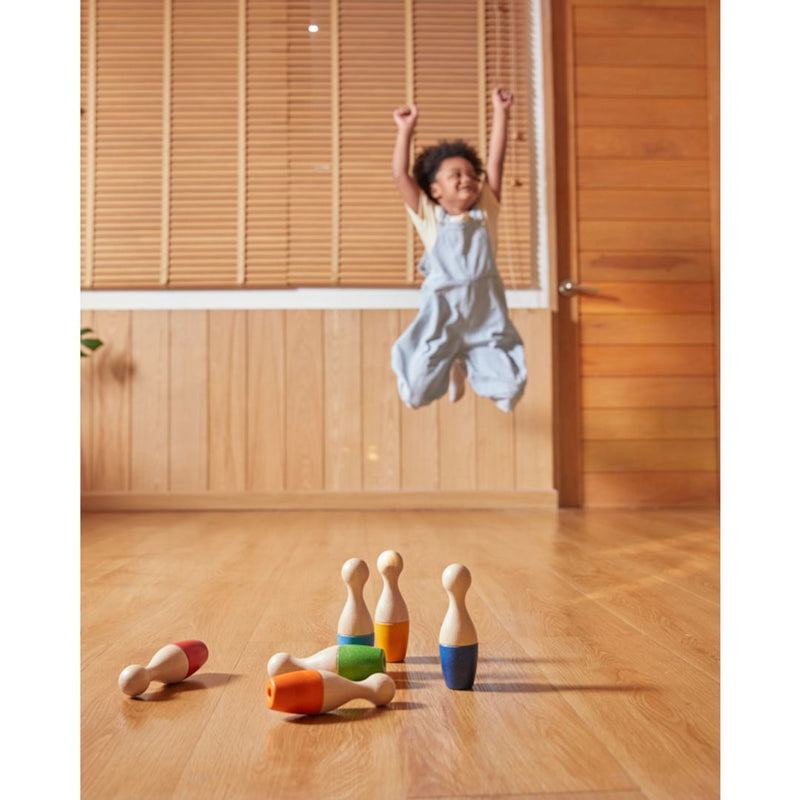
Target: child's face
x,y
457,185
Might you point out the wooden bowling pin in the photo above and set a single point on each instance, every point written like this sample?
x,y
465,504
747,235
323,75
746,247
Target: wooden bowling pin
x,y
355,622
352,661
391,613
312,691
458,640
170,664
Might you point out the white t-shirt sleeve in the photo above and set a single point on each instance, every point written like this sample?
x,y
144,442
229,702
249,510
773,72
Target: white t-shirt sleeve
x,y
424,219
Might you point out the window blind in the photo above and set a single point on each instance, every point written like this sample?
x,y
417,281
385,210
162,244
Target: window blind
x,y
248,144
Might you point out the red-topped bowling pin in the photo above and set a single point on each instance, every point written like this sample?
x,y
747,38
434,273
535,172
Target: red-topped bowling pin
x,y
171,664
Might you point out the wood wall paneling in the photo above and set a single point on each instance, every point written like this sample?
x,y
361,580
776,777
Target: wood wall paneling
x,y
381,405
227,398
459,442
534,415
150,336
344,401
305,392
111,403
240,408
87,426
419,438
496,444
188,393
266,401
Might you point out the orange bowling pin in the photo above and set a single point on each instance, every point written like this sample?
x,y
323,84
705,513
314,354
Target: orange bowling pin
x,y
312,691
391,613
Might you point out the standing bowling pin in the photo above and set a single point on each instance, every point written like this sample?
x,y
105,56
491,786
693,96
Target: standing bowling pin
x,y
312,691
352,661
391,613
355,622
458,640
170,664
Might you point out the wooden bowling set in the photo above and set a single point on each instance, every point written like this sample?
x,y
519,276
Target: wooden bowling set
x,y
355,667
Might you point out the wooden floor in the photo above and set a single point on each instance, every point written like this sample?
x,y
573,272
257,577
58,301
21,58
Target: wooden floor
x,y
598,674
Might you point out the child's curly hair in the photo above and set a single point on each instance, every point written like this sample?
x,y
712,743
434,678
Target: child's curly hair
x,y
427,163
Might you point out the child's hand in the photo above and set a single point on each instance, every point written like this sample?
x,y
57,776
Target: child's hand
x,y
405,117
502,99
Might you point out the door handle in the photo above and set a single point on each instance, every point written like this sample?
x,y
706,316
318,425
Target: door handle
x,y
568,288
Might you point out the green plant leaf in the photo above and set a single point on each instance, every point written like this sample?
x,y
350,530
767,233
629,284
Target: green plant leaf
x,y
88,343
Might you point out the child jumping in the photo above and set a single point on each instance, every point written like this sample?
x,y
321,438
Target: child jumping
x,y
463,329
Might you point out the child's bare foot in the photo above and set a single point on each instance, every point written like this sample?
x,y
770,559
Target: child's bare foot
x,y
458,375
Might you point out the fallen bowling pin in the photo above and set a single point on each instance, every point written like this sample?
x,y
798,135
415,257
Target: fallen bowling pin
x,y
458,639
312,691
352,661
391,613
355,622
171,664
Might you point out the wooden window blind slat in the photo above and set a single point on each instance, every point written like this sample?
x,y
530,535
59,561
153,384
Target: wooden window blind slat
x,y
127,144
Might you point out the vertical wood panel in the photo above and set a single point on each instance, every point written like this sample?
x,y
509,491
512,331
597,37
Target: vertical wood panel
x,y
496,458
150,401
111,403
188,394
227,398
458,448
343,400
304,401
381,407
533,416
419,431
87,373
266,401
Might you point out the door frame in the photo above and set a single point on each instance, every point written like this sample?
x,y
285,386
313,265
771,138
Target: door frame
x,y
566,332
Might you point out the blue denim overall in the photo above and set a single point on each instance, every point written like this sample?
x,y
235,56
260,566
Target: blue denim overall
x,y
463,313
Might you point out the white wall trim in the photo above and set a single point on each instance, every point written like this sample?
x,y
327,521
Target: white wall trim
x,y
302,298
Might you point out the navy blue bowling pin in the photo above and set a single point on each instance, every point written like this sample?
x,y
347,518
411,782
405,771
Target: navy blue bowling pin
x,y
458,640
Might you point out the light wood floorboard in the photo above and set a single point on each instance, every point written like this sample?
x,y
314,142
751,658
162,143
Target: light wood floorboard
x,y
599,655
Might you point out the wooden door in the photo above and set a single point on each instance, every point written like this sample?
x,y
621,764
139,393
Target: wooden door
x,y
636,88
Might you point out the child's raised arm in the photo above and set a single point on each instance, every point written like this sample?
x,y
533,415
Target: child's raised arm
x,y
501,102
405,117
